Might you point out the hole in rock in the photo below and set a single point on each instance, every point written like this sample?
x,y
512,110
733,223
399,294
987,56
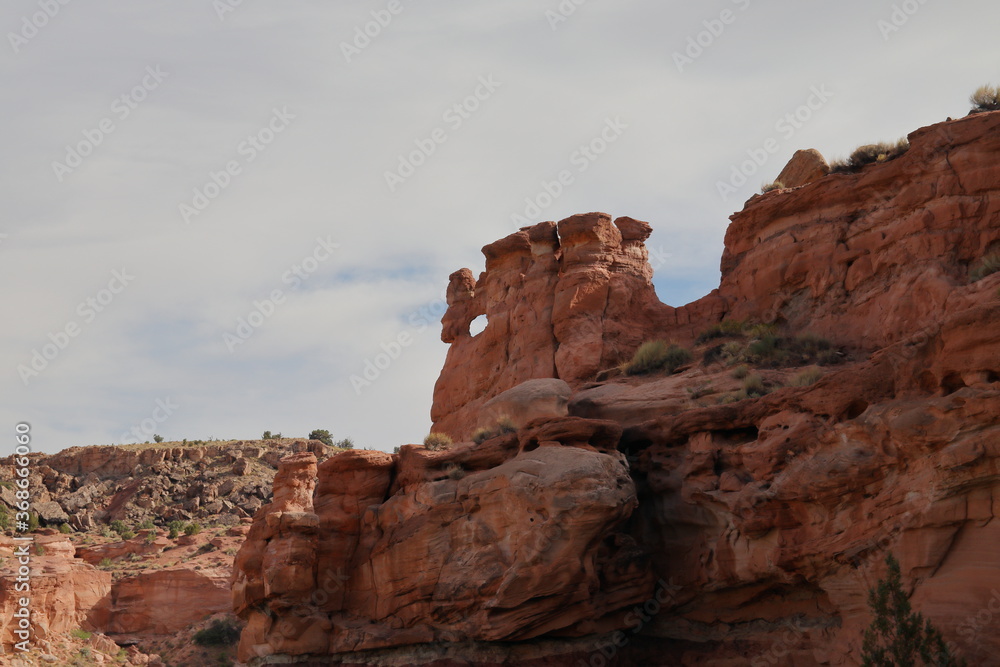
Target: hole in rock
x,y
992,376
951,383
736,436
856,408
478,325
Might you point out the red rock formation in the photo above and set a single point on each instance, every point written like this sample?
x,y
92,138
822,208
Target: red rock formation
x,y
804,168
762,521
65,594
166,601
865,259
562,301
508,541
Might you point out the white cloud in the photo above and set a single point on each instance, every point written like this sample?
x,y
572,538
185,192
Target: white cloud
x,y
324,175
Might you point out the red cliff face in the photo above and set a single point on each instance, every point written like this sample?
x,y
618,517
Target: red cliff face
x,y
675,519
511,540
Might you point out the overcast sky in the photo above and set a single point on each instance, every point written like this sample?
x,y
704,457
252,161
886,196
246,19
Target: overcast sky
x,y
170,167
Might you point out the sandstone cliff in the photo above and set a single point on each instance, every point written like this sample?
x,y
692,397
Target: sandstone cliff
x,y
677,519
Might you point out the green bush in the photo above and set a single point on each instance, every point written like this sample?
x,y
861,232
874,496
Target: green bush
x,y
769,187
753,386
807,377
120,527
33,522
192,528
146,524
897,635
80,634
766,348
157,439
722,330
346,443
656,355
869,153
437,441
503,426
4,517
741,371
986,98
151,537
220,633
268,436
175,528
65,528
322,435
455,471
105,563
987,266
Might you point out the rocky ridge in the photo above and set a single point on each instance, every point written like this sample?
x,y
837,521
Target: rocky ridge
x,y
141,588
841,401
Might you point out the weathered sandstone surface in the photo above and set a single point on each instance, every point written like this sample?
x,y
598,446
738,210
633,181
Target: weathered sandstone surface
x,y
511,540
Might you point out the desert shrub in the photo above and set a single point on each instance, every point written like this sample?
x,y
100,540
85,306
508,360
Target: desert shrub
x,y
146,524
322,435
762,330
150,537
157,438
753,386
65,528
79,633
33,522
4,517
762,348
437,441
897,635
869,153
503,425
986,98
220,633
770,350
39,550
175,528
105,563
270,436
722,329
807,377
700,391
346,443
656,355
987,266
741,371
192,528
454,471
768,187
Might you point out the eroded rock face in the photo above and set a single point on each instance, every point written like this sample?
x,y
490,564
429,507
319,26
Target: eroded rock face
x,y
511,540
865,259
65,594
770,518
562,300
166,601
